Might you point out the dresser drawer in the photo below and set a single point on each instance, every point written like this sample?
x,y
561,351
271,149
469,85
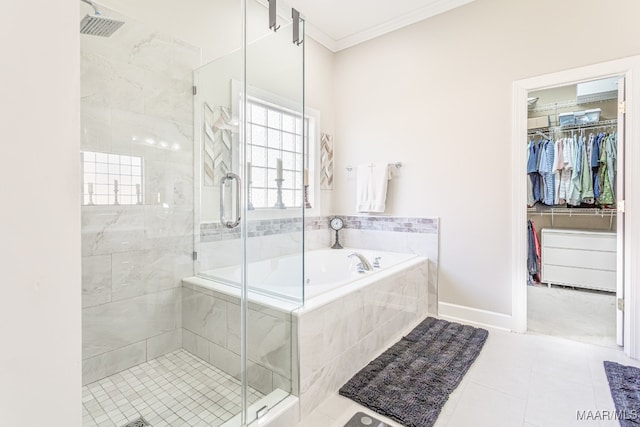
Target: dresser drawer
x,y
605,242
579,258
580,277
585,259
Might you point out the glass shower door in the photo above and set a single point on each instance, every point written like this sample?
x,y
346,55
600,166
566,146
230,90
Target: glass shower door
x,y
251,158
211,310
276,158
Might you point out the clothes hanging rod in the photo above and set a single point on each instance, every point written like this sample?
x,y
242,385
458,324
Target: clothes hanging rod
x,y
601,124
397,165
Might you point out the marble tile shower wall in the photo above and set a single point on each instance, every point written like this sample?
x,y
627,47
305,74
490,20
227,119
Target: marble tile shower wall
x,y
136,100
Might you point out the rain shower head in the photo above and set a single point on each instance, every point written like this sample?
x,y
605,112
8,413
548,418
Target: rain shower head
x,y
98,25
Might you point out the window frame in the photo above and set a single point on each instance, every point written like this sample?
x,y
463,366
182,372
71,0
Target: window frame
x,y
314,118
132,197
267,186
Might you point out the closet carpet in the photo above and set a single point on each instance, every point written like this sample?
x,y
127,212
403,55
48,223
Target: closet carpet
x,y
578,315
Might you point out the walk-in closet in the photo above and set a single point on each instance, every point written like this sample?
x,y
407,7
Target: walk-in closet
x,y
574,150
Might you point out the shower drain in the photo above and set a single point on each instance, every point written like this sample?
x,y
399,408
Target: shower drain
x,y
140,422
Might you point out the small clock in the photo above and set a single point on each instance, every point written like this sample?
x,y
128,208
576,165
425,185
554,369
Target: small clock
x,y
336,224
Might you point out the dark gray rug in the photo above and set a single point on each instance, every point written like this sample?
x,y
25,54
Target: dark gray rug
x,y
624,383
411,381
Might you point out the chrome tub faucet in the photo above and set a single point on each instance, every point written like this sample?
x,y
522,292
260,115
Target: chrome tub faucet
x,y
364,262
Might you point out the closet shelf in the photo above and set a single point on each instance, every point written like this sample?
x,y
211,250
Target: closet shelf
x,y
564,104
574,211
609,213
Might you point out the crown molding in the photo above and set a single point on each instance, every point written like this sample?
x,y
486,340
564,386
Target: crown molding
x,y
436,8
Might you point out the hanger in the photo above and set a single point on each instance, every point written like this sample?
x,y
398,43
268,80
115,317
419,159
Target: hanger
x,y
542,135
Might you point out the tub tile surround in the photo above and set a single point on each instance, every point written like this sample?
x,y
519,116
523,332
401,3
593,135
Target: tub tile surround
x,y
268,238
414,235
211,331
136,100
339,338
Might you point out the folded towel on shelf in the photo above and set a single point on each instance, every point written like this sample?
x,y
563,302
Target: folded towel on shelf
x,y
371,187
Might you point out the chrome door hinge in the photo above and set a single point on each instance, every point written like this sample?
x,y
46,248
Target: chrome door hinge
x,y
621,207
195,90
621,304
622,107
195,255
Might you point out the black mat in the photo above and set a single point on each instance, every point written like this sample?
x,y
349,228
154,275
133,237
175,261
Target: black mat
x,y
624,383
411,381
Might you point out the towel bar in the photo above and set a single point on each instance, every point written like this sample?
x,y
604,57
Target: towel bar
x,y
396,164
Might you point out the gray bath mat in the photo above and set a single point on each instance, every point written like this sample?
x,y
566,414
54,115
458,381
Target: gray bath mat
x,y
411,381
624,383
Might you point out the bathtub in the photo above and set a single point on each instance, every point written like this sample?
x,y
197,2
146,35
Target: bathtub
x,y
346,320
325,270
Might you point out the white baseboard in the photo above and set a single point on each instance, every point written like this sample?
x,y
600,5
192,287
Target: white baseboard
x,y
461,313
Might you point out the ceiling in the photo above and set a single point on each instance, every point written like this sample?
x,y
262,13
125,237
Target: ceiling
x,y
336,24
339,24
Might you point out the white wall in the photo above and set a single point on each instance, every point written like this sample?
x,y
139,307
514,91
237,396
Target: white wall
x,y
319,81
40,214
437,97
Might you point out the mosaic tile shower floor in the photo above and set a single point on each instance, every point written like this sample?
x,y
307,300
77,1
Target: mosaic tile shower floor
x,y
177,389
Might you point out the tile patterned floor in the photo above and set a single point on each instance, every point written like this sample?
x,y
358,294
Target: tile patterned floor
x,y
518,380
177,389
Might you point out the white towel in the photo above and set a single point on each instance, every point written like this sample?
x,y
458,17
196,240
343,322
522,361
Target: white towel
x,y
371,187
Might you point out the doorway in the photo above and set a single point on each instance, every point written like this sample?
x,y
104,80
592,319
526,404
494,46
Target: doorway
x,y
573,150
626,244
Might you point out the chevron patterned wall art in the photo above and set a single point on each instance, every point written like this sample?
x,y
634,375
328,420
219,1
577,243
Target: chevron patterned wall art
x,y
326,162
217,136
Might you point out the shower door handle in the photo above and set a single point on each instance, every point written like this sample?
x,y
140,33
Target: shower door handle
x,y
223,220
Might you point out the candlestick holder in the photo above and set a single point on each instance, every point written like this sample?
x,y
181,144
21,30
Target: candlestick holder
x,y
115,193
249,203
90,191
279,204
307,205
138,198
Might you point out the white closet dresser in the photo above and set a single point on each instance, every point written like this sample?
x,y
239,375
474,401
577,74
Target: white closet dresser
x,y
583,259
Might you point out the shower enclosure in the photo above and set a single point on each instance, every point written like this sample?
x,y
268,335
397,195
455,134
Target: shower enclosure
x,y
192,174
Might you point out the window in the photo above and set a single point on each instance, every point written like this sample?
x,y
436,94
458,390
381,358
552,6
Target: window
x,y
105,173
276,133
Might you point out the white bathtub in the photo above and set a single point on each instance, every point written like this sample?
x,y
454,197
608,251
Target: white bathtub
x,y
347,318
325,270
